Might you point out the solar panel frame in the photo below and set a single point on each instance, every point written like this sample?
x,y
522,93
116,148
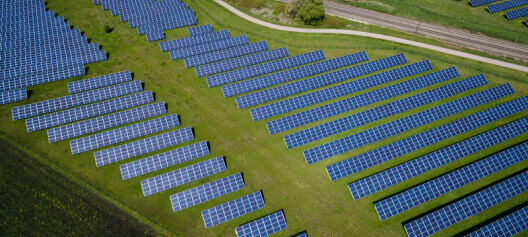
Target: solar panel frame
x,y
229,210
13,95
264,226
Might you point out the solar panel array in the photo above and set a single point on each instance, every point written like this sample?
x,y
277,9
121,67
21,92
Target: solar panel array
x,y
476,3
410,122
336,91
341,106
420,165
446,183
318,81
164,160
208,47
517,13
509,225
292,74
42,77
123,134
239,62
206,192
220,55
70,101
468,206
143,146
98,82
189,41
105,122
264,68
263,226
13,95
87,111
200,30
232,209
427,138
151,17
181,176
502,6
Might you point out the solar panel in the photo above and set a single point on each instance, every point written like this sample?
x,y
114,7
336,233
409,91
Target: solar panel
x,y
301,235
165,22
200,30
518,13
123,134
420,165
263,226
225,54
293,74
65,102
446,183
468,206
13,95
476,3
239,62
410,122
155,35
24,47
509,225
383,111
206,192
208,47
232,209
143,146
189,41
420,140
182,176
502,6
318,81
164,160
87,111
41,78
158,18
105,122
336,91
265,68
98,82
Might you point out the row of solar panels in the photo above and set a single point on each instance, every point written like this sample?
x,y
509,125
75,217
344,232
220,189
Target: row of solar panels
x,y
37,48
151,17
247,73
504,6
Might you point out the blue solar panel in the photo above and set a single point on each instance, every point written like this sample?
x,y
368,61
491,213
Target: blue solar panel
x,y
468,206
301,235
143,146
43,55
123,134
65,102
293,74
24,47
264,68
476,3
164,160
518,13
392,128
263,226
98,82
163,19
318,81
233,209
41,78
239,62
507,226
502,6
410,169
446,183
87,111
105,122
427,138
200,30
13,95
225,54
206,192
181,176
208,47
189,41
336,91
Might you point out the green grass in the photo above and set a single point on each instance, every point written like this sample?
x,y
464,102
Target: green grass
x,y
310,201
457,14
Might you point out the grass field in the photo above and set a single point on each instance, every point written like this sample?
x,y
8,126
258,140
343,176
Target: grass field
x,y
457,14
310,201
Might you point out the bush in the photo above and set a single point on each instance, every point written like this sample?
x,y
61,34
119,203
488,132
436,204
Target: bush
x,y
279,8
333,22
247,4
310,12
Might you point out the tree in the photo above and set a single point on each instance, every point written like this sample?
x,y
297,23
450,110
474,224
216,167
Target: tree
x,y
310,12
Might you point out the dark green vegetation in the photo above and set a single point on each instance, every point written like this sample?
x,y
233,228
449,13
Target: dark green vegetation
x,y
39,201
457,14
310,201
310,12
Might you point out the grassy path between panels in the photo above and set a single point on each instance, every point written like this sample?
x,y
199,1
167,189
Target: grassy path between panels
x,y
310,201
